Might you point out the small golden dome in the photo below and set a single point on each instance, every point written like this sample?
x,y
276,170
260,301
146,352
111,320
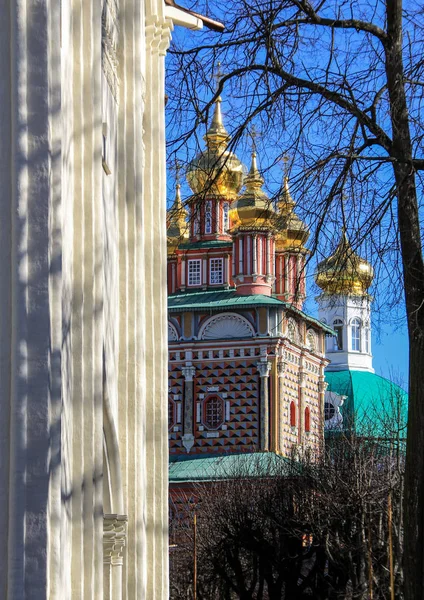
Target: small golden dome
x,y
253,206
293,232
344,272
216,170
177,226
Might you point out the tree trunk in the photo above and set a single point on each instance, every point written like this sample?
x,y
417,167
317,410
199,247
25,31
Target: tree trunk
x,y
413,273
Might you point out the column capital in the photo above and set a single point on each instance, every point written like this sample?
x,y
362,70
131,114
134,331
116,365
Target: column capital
x,y
114,539
281,368
158,33
322,386
264,368
188,372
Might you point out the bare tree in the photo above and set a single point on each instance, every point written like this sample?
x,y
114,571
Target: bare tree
x,y
339,86
326,529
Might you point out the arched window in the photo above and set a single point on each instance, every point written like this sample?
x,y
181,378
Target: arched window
x,y
292,414
208,217
213,412
307,419
225,217
356,334
329,411
171,414
367,340
338,340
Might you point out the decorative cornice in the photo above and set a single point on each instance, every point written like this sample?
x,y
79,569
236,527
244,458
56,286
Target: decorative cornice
x,y
158,33
114,539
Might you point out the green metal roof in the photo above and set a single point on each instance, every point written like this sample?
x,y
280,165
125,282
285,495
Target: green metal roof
x,y
188,469
374,405
229,299
204,244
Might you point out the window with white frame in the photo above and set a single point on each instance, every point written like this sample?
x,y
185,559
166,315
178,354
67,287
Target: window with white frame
x,y
356,335
338,340
216,270
225,216
208,217
196,225
195,272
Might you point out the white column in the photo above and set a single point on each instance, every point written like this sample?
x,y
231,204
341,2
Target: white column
x,y
240,255
234,259
205,272
268,256
249,255
183,273
255,249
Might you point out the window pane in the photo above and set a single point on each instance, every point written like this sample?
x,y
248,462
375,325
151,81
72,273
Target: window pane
x,y
208,217
194,272
213,412
216,270
356,335
226,223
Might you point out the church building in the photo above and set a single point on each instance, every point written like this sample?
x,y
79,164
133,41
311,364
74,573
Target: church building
x,y
246,364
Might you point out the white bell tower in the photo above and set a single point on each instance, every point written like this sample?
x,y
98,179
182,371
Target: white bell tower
x,y
345,305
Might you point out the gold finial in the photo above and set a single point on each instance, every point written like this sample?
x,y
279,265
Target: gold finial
x,y
254,180
217,136
285,201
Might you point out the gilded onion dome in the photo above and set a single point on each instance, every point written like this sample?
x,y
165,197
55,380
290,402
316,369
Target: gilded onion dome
x,y
344,272
177,229
216,170
293,232
253,206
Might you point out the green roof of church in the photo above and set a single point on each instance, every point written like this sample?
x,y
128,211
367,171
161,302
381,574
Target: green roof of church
x,y
229,299
374,406
205,244
192,468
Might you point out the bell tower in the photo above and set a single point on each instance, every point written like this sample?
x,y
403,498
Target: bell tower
x,y
345,305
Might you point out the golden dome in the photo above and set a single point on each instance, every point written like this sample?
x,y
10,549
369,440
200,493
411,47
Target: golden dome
x,y
344,272
253,207
216,170
177,229
293,232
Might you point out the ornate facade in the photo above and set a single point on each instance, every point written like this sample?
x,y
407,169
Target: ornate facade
x,y
246,364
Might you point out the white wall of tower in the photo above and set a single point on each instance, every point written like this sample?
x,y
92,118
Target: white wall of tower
x,y
347,309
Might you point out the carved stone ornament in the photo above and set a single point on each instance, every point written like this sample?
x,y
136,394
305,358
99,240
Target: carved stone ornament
x,y
188,441
114,539
281,368
158,33
302,378
189,372
264,368
172,333
110,35
226,326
